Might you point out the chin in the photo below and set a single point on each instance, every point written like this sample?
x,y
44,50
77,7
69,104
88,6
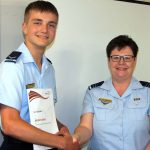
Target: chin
x,y
43,44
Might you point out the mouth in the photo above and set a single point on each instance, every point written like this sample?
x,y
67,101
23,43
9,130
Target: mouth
x,y
42,36
121,68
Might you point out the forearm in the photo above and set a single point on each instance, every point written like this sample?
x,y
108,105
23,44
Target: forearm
x,y
15,127
26,132
82,134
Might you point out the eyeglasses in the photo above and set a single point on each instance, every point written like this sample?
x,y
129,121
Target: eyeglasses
x,y
126,58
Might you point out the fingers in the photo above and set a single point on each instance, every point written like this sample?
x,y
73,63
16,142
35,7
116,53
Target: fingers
x,y
71,142
76,143
64,130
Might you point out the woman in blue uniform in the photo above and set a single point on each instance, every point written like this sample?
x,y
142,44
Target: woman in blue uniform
x,y
116,111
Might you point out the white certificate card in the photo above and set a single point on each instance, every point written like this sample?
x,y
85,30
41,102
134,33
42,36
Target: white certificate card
x,y
42,113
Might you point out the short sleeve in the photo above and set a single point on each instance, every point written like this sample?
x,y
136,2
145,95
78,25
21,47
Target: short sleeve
x,y
11,84
87,103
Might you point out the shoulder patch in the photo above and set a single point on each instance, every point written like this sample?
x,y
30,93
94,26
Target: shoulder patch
x,y
95,85
13,57
49,60
146,84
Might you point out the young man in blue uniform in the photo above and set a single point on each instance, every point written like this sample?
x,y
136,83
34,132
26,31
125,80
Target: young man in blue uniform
x,y
25,68
116,111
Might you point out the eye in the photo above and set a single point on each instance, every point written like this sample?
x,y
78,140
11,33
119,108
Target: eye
x,y
127,58
115,58
37,23
52,25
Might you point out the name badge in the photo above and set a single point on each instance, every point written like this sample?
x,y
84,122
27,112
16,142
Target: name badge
x,y
30,86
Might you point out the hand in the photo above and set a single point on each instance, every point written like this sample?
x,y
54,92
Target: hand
x,y
68,141
66,137
63,131
76,143
70,144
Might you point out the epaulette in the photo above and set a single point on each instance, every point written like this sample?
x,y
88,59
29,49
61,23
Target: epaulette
x,y
95,85
49,60
146,84
13,57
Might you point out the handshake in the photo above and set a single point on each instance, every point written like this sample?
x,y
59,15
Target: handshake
x,y
69,142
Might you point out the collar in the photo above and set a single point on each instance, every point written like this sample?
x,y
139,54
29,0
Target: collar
x,y
134,84
27,57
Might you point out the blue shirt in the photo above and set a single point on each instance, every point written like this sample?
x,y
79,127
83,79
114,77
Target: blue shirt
x,y
119,123
15,78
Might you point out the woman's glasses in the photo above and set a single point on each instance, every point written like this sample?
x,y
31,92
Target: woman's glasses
x,y
126,58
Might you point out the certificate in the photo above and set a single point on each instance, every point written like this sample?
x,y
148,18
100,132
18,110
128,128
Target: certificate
x,y
42,113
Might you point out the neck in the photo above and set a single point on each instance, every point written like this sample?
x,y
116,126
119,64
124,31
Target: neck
x,y
37,54
121,86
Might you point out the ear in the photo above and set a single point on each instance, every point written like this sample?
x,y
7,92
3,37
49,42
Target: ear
x,y
24,27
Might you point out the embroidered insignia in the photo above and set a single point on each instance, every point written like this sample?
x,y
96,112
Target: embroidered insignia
x,y
105,101
146,84
13,57
96,85
30,86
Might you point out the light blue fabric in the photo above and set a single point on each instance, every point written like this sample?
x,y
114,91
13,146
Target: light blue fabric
x,y
15,76
122,124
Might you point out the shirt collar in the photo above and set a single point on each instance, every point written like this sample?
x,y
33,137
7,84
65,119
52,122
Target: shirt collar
x,y
107,85
135,84
27,57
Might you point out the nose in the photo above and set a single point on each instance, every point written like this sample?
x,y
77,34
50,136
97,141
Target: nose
x,y
44,28
121,61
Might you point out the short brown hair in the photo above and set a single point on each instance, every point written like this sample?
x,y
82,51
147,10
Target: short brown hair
x,y
40,5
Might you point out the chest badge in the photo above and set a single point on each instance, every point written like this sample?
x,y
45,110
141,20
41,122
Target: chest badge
x,y
30,86
105,100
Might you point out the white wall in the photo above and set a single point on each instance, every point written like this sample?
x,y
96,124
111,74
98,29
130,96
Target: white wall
x,y
78,54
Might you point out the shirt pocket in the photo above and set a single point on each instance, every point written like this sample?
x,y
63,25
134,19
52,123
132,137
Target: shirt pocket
x,y
137,110
103,111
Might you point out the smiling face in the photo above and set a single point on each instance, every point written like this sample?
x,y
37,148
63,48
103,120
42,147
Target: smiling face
x,y
121,70
39,29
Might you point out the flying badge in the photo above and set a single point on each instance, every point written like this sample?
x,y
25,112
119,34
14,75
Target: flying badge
x,y
30,86
105,101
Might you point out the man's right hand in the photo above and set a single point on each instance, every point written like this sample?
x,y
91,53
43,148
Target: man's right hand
x,y
68,142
